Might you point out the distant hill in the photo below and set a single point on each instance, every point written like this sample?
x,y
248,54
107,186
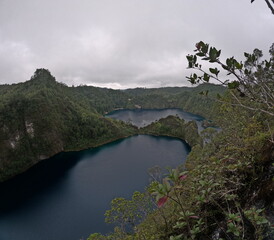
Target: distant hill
x,y
188,98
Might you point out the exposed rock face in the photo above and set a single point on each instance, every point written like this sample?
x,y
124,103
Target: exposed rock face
x,y
13,141
29,128
43,157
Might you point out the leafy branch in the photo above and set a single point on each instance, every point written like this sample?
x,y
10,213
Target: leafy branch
x,y
252,80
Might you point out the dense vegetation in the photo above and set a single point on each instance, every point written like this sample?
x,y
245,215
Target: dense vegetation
x,y
42,117
226,189
189,99
173,126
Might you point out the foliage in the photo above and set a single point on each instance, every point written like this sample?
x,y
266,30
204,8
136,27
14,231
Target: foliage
x,y
128,213
227,190
185,98
173,126
41,117
252,80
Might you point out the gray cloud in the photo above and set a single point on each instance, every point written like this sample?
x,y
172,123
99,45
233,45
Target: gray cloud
x,y
123,43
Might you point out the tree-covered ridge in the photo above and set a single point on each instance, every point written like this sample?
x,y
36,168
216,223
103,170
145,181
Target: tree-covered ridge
x,y
188,98
173,126
105,100
41,117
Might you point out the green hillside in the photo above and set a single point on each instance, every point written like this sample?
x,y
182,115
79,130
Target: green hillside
x,y
187,98
225,191
173,126
227,188
42,117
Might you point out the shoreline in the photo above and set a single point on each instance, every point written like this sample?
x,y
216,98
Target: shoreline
x,y
96,146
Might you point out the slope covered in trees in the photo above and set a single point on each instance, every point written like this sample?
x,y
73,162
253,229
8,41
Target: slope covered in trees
x,y
173,126
226,189
42,117
189,99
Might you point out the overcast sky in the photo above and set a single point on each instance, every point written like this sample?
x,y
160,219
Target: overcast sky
x,y
124,43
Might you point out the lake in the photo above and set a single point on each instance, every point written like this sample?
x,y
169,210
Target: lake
x,y
65,197
143,117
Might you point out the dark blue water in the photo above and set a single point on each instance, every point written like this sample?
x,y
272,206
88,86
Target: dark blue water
x,y
143,117
65,197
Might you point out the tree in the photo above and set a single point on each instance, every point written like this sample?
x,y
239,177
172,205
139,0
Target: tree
x,y
250,83
42,73
128,213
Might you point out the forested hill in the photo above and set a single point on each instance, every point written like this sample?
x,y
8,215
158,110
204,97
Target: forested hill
x,y
41,117
225,190
188,98
200,100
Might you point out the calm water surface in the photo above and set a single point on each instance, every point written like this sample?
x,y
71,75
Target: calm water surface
x,y
143,117
65,197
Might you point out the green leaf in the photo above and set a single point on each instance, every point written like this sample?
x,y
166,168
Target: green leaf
x,y
214,71
219,53
200,54
229,62
206,77
233,85
203,47
213,53
238,65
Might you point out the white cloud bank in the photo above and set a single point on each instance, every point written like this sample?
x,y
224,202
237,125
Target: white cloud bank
x,y
123,43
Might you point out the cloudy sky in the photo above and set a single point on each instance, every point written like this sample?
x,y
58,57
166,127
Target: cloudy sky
x,y
124,43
